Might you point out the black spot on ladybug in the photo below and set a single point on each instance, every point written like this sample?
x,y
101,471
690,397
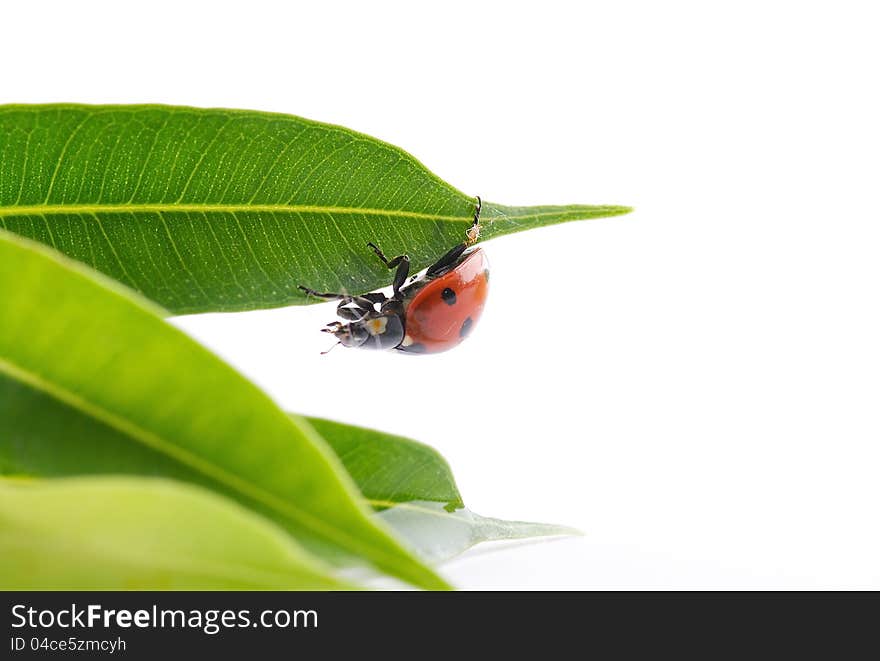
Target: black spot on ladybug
x,y
466,327
417,347
448,296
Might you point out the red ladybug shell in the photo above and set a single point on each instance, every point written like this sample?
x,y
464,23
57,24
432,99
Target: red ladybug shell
x,y
441,311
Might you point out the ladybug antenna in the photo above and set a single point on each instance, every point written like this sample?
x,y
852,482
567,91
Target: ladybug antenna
x,y
324,353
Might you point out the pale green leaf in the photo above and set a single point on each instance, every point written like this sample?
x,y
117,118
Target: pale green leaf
x,y
438,535
108,533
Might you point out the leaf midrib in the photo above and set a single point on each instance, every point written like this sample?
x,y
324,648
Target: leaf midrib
x,y
172,207
192,461
508,213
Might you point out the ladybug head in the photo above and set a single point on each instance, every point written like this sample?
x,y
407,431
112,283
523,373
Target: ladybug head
x,y
375,330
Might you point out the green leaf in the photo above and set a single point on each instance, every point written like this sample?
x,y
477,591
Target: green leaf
x,y
41,436
82,340
148,534
220,210
389,469
410,483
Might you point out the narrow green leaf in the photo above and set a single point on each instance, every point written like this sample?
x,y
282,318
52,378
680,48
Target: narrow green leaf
x,y
219,210
84,341
390,469
149,534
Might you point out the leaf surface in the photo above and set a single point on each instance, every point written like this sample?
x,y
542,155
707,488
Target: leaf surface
x,y
81,340
438,535
149,534
390,469
223,210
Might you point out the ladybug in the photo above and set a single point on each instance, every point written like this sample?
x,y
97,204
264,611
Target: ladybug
x,y
434,312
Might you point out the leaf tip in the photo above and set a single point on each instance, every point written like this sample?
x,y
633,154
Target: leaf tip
x,y
618,210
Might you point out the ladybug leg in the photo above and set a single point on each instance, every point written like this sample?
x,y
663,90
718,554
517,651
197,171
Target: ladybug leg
x,y
374,297
401,263
351,313
362,304
447,260
328,295
366,299
452,256
355,308
473,233
379,253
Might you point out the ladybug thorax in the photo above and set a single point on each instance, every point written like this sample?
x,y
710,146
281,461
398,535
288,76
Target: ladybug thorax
x,y
441,310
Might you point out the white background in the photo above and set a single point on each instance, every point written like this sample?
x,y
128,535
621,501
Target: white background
x,y
695,385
